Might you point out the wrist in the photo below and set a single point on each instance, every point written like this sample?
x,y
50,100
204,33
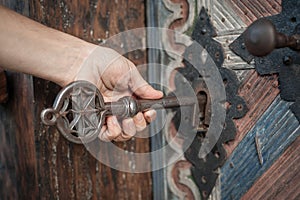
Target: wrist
x,y
77,55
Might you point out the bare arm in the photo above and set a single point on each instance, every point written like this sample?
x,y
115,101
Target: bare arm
x,y
29,47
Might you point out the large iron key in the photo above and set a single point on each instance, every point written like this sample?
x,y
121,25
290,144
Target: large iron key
x,y
79,110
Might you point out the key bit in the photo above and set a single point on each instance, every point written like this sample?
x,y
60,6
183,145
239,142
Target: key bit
x,y
79,110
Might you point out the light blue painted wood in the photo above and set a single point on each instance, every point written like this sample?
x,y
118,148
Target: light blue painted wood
x,y
276,130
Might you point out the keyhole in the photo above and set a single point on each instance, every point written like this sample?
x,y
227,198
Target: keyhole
x,y
202,102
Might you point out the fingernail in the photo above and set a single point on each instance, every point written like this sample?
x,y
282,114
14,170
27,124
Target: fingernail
x,y
151,115
139,116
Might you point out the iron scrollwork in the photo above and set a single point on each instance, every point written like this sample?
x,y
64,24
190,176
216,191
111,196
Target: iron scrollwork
x,y
205,170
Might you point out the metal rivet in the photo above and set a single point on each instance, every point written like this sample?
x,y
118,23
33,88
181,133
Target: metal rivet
x,y
243,46
287,60
203,179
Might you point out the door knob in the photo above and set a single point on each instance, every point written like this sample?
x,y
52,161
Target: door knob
x,y
261,38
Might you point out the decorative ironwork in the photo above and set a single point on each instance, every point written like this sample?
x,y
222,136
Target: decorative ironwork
x,y
284,61
205,170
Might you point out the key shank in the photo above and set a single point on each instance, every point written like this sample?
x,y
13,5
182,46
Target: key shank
x,y
128,106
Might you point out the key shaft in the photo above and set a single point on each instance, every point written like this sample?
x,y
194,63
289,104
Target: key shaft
x,y
128,106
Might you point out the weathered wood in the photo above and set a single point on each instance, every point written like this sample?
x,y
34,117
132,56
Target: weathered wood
x,y
282,180
275,131
259,92
18,169
250,10
68,171
3,87
18,158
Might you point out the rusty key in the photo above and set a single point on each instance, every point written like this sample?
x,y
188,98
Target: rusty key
x,y
79,110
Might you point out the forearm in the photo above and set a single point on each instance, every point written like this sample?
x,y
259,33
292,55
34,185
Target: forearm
x,y
29,47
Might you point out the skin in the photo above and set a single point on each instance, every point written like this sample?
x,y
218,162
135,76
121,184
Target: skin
x,y
29,47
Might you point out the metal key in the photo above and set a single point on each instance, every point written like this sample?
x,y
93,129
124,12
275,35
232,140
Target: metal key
x,y
79,110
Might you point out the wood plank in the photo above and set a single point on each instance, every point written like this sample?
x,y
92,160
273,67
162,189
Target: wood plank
x,y
282,179
250,10
18,168
8,161
68,171
18,144
258,92
276,130
3,87
24,119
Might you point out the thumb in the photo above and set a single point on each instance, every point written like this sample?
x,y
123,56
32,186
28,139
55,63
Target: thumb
x,y
148,92
141,88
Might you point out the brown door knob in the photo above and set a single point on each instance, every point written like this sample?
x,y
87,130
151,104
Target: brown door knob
x,y
261,38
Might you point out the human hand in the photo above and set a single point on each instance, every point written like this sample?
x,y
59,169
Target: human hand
x,y
116,76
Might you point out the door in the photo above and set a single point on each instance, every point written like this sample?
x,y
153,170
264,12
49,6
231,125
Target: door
x,y
261,150
36,162
261,160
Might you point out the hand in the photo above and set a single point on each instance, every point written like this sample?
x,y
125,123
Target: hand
x,y
62,58
116,76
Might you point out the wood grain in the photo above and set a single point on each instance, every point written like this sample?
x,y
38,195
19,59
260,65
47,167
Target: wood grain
x,y
18,167
250,10
258,92
3,87
18,155
282,179
68,171
276,129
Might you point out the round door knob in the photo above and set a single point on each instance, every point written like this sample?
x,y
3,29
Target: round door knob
x,y
260,37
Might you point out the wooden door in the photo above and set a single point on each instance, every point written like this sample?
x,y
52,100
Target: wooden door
x,y
35,161
262,160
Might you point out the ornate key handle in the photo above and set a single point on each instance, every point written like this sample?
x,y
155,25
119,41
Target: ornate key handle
x,y
79,110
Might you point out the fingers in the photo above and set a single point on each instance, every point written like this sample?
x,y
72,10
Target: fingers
x,y
140,122
113,130
150,115
128,128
